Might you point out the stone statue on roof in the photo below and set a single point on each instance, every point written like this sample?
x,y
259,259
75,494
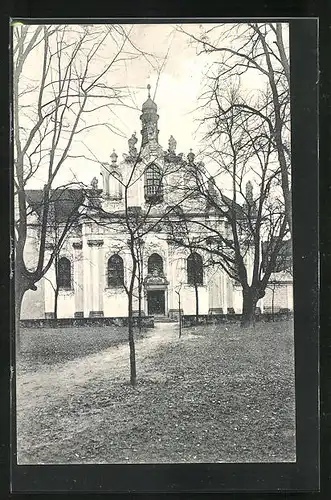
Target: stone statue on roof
x,y
191,156
94,183
249,192
172,144
132,145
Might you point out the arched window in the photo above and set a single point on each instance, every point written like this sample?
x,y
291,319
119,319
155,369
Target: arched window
x,y
115,271
194,269
64,273
153,184
155,264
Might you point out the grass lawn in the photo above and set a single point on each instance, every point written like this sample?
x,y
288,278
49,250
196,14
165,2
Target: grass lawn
x,y
218,394
41,347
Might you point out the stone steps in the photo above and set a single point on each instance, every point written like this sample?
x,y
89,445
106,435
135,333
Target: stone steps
x,y
164,319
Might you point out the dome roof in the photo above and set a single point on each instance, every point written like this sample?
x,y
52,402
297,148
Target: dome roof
x,y
149,105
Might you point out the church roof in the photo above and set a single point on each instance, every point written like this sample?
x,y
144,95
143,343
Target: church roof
x,y
149,105
64,203
222,203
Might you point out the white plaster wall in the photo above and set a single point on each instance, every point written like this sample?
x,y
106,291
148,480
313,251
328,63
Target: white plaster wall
x,y
215,288
283,297
115,303
229,293
237,299
33,304
260,304
217,292
290,296
66,298
49,284
66,304
188,299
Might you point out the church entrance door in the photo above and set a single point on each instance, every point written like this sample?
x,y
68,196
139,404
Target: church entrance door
x,y
156,302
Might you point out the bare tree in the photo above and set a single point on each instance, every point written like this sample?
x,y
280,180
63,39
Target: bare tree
x,y
253,49
178,292
54,230
61,280
139,223
52,105
131,224
235,226
181,234
282,273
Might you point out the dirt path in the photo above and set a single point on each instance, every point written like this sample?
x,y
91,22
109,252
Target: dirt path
x,y
213,395
55,382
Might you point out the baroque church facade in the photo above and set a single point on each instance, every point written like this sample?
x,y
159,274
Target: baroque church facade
x,y
94,266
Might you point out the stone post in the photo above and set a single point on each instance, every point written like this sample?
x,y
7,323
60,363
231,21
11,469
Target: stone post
x,y
101,273
171,277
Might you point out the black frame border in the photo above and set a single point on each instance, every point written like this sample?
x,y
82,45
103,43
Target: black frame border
x,y
204,478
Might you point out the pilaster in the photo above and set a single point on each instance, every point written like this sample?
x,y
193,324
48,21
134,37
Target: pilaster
x,y
95,305
101,274
78,279
224,289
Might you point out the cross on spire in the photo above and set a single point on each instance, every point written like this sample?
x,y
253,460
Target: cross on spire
x,y
149,90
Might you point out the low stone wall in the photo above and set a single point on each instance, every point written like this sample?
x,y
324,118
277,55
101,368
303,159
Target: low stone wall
x,y
209,319
278,316
146,322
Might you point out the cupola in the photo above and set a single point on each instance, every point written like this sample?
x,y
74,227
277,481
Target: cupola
x,y
149,119
149,105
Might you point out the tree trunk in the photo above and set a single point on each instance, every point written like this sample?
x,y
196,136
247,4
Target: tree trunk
x,y
56,296
196,289
248,310
284,176
56,291
179,316
139,307
19,294
278,130
133,374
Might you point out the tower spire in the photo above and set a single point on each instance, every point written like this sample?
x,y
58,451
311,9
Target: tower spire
x,y
149,119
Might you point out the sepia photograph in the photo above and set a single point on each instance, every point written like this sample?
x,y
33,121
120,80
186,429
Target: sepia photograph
x,y
153,243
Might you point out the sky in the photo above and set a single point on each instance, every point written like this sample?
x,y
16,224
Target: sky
x,y
176,94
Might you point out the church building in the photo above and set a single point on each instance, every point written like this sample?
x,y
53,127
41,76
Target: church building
x,y
91,274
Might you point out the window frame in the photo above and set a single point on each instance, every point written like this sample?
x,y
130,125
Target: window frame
x,y
64,275
152,265
191,270
119,272
153,183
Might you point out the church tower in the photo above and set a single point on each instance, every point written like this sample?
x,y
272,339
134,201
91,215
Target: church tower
x,y
152,152
149,119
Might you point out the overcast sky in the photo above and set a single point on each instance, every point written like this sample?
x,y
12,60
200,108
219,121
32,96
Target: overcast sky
x,y
176,95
